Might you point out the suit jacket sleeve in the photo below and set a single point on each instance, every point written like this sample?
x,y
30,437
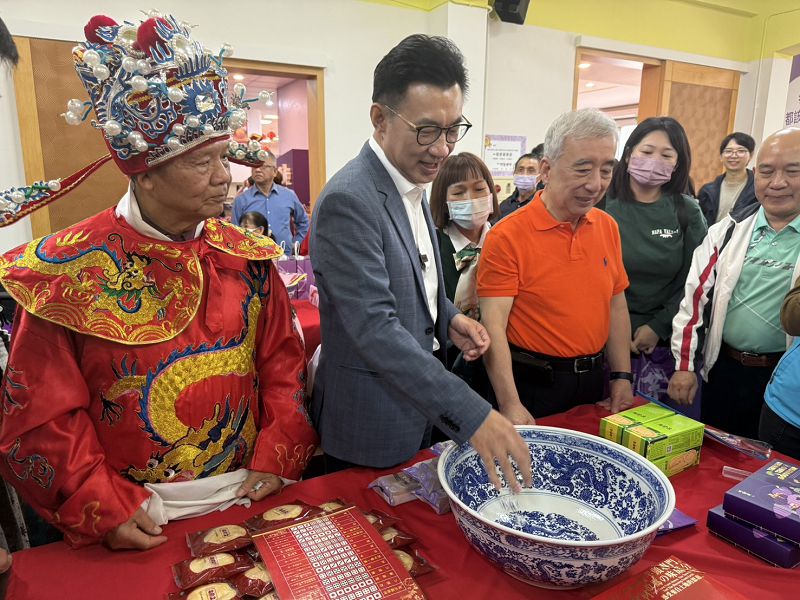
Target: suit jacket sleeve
x,y
350,268
49,448
286,440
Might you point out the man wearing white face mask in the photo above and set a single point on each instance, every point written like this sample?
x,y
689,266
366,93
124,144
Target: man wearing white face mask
x,y
526,182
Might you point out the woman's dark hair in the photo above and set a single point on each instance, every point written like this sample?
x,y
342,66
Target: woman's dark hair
x,y
679,183
256,218
456,168
418,59
740,138
8,49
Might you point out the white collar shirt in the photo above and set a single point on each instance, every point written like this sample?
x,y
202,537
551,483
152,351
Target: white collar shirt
x,y
460,241
128,209
412,195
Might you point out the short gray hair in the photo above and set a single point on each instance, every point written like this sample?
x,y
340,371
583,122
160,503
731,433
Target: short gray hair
x,y
577,124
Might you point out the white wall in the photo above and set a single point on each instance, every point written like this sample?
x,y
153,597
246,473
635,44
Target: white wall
x,y
529,79
292,125
12,172
346,37
467,27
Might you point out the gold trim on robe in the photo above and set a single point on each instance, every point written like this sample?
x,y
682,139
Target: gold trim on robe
x,y
120,286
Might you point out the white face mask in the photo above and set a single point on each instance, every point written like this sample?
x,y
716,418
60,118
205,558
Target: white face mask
x,y
470,214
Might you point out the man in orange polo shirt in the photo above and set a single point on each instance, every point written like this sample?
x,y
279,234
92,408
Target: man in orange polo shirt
x,y
551,283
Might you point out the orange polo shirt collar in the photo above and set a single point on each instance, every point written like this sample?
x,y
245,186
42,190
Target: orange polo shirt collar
x,y
543,220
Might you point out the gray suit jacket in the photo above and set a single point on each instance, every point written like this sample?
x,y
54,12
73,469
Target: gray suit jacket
x,y
378,384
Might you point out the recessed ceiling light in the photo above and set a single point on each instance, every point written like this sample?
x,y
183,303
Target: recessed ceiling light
x,y
590,84
266,121
238,77
584,65
273,117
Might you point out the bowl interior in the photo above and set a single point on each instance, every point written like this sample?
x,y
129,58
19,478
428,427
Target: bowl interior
x,y
585,488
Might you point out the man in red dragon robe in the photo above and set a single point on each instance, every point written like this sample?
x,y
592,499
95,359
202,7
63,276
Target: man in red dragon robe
x,y
154,343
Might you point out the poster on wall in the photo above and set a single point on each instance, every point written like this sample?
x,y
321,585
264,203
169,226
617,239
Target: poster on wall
x,y
792,114
500,152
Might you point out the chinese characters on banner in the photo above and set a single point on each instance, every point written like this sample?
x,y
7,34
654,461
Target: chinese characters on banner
x,y
500,152
792,114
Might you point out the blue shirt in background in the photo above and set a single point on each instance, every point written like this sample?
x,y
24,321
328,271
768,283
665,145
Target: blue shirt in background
x,y
281,204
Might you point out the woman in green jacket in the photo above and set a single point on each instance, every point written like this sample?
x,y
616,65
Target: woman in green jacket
x,y
660,227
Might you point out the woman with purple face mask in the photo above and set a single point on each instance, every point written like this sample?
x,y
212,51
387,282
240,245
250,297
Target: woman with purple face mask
x,y
660,227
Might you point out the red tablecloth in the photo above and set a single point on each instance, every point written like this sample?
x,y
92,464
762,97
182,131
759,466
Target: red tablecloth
x,y
308,315
55,571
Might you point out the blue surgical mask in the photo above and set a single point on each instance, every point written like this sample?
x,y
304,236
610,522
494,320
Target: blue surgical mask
x,y
470,214
526,183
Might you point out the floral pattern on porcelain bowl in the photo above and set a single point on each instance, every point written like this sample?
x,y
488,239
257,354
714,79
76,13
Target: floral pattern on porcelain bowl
x,y
593,511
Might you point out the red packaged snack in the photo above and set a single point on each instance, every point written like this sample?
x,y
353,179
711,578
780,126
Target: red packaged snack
x,y
256,581
413,562
252,553
279,516
379,519
218,539
335,504
209,569
396,538
211,591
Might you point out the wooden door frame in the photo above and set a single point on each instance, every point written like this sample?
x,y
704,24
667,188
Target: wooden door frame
x,y
30,138
315,94
581,50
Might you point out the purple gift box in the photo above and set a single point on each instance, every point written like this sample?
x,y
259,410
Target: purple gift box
x,y
769,499
760,543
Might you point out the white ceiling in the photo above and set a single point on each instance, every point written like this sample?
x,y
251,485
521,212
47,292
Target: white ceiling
x,y
616,82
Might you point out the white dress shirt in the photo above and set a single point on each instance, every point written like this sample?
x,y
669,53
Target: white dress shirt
x,y
128,209
412,200
466,295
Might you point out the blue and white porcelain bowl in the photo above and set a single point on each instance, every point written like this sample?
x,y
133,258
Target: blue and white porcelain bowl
x,y
593,511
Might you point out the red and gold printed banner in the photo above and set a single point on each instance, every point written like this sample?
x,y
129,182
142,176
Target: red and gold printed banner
x,y
337,556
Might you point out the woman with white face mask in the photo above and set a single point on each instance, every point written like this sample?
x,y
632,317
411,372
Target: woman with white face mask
x,y
463,199
659,227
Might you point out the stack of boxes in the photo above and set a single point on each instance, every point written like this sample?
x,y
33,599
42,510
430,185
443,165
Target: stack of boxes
x,y
762,514
669,440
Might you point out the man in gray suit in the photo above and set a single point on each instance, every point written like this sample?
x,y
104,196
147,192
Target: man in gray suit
x,y
381,383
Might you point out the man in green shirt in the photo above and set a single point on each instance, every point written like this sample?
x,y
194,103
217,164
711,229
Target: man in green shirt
x,y
746,265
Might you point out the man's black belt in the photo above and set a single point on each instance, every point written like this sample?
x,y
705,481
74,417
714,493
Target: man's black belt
x,y
577,364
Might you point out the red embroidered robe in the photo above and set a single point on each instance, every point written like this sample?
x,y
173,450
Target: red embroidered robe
x,y
136,360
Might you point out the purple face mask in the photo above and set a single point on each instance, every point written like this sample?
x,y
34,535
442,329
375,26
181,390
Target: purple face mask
x,y
650,171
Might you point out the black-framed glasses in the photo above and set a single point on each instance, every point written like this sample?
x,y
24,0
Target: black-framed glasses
x,y
735,152
429,134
